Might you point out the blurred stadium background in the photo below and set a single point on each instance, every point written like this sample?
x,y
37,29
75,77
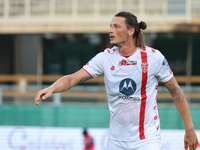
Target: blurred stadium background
x,y
41,40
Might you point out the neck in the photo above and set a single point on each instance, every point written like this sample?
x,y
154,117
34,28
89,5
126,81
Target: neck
x,y
127,49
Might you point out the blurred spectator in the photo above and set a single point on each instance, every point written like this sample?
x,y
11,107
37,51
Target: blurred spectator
x,y
88,141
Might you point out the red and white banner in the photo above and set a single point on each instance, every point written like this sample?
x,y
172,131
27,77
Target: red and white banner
x,y
58,138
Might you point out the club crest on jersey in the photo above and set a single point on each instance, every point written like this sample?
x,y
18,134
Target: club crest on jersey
x,y
144,67
127,86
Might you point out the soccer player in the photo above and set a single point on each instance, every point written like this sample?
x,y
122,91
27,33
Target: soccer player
x,y
131,73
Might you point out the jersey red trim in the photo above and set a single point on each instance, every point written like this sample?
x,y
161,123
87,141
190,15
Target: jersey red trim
x,y
126,56
143,95
88,73
169,79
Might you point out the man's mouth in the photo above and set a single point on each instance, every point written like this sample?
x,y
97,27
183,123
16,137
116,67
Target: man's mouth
x,y
112,37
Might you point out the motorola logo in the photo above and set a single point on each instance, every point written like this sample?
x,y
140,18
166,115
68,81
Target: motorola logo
x,y
127,86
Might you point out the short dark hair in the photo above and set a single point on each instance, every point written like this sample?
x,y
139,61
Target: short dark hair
x,y
85,131
131,21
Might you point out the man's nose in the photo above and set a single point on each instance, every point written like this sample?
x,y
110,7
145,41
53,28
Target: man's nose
x,y
111,29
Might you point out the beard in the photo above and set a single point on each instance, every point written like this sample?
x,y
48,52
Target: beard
x,y
114,44
120,43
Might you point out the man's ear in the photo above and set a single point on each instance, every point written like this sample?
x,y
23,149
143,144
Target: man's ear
x,y
131,31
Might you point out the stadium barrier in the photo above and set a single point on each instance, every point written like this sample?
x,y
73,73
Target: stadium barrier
x,y
19,78
22,83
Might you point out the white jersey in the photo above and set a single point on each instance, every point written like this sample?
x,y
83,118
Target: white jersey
x,y
131,84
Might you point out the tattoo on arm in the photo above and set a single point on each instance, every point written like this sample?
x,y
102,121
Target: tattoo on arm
x,y
175,91
170,85
85,78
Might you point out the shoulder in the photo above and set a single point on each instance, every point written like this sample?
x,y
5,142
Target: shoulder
x,y
110,51
154,56
104,55
153,53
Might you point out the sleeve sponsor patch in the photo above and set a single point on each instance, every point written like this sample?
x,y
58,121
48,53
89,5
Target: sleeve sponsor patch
x,y
165,63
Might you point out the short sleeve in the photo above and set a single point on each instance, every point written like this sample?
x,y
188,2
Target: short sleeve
x,y
164,72
95,66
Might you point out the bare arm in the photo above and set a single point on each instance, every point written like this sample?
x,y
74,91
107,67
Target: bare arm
x,y
67,82
63,84
183,108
